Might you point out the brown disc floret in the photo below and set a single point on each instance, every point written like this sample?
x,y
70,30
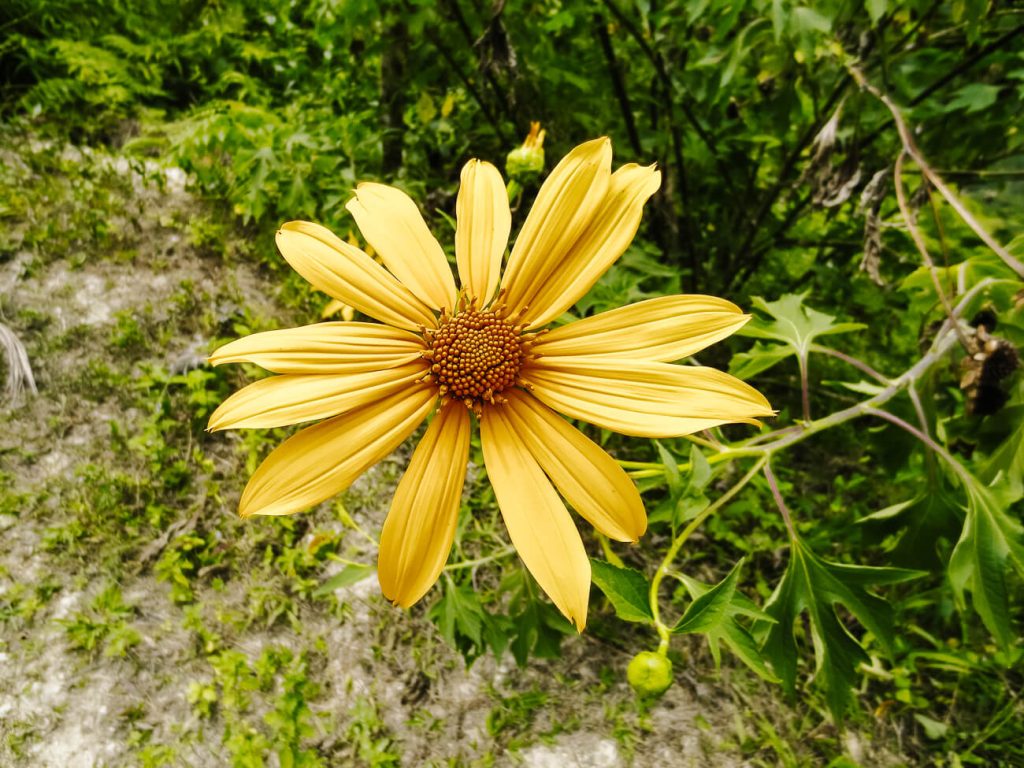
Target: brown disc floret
x,y
475,355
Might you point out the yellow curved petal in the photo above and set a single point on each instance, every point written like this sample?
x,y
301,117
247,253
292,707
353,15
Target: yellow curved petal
x,y
607,235
538,523
660,330
282,400
325,459
483,222
642,398
589,479
419,530
325,348
565,206
392,224
346,273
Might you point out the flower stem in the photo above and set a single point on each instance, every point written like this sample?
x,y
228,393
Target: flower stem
x,y
677,542
777,495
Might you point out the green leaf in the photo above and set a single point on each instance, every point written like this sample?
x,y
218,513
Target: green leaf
x,y
672,476
709,610
628,590
1008,458
815,586
347,576
918,525
793,323
760,357
730,632
991,542
810,20
974,97
933,729
877,9
700,471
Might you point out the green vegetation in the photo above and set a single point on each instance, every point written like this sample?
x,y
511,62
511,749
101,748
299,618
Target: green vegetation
x,y
848,579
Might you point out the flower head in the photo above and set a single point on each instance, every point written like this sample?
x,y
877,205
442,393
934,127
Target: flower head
x,y
482,349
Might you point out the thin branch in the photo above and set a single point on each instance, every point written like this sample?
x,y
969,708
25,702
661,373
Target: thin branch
x,y
775,193
450,59
955,465
618,84
853,361
911,149
918,238
779,502
473,45
678,541
658,62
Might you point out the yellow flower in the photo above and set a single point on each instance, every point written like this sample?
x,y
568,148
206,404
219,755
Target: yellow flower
x,y
480,350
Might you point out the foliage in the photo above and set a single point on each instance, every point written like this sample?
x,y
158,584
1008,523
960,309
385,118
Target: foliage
x,y
877,519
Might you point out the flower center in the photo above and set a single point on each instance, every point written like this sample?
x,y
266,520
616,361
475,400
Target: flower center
x,y
475,356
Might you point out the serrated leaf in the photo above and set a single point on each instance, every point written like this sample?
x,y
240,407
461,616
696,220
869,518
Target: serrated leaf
x,y
735,636
793,323
347,576
708,611
815,586
919,524
627,589
742,644
991,542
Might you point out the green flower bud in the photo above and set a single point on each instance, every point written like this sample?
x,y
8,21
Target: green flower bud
x,y
529,158
650,674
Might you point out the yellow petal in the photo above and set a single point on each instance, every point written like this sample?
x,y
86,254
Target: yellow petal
x,y
325,348
483,223
538,523
323,460
332,307
282,400
419,530
607,235
392,224
589,479
565,206
641,398
346,273
660,330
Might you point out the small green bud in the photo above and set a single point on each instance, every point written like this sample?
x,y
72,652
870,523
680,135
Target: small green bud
x,y
529,158
650,674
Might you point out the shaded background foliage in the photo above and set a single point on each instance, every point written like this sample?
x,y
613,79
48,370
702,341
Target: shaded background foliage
x,y
777,180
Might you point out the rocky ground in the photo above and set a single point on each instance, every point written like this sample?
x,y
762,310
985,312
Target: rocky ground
x,y
143,624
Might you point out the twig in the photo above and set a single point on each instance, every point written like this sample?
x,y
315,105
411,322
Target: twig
x,y
779,502
955,465
773,195
853,361
499,91
922,248
470,88
678,541
618,84
661,71
911,149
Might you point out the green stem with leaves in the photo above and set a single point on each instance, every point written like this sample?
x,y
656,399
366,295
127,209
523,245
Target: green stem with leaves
x,y
664,632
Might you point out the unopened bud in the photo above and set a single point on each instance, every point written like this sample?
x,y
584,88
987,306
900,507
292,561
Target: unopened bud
x,y
529,158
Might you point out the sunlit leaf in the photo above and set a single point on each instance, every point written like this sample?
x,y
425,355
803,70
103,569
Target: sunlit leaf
x,y
627,589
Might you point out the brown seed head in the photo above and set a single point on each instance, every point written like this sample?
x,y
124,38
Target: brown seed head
x,y
475,356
